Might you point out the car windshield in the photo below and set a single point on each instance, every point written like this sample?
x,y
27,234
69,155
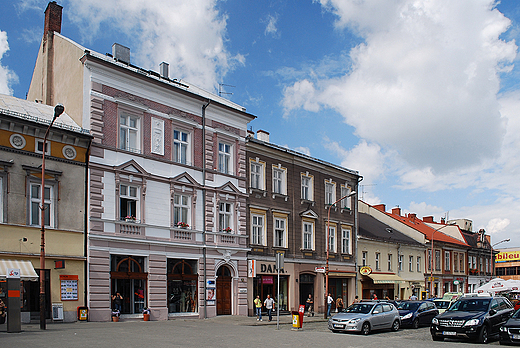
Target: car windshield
x,y
470,305
409,306
442,304
516,315
359,308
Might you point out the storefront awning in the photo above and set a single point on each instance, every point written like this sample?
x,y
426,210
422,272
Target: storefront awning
x,y
386,279
26,268
341,274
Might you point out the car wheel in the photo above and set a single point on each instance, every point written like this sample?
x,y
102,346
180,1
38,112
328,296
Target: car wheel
x,y
415,323
335,331
483,336
437,338
395,325
365,329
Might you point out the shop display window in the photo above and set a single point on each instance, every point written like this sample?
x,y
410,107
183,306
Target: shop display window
x,y
182,286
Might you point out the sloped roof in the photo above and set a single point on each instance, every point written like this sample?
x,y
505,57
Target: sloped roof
x,y
370,227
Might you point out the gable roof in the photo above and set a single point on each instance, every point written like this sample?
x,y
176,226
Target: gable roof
x,y
370,227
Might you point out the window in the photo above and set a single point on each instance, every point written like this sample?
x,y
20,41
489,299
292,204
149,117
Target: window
x,y
430,261
279,180
410,263
180,147
307,187
345,241
447,261
280,232
181,209
257,229
461,262
345,202
364,258
418,263
389,262
39,147
257,175
455,262
36,202
330,192
129,133
308,233
480,265
224,158
128,202
225,217
400,262
378,261
487,265
332,239
437,260
2,199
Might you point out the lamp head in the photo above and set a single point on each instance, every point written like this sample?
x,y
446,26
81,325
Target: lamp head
x,y
352,193
58,110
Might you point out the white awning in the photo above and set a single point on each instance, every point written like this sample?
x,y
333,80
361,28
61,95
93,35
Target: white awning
x,y
386,278
26,268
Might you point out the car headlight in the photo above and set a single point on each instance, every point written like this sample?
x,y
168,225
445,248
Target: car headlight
x,y
472,322
354,321
408,316
435,321
503,329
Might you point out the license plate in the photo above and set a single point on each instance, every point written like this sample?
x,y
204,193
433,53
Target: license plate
x,y
338,326
449,333
515,337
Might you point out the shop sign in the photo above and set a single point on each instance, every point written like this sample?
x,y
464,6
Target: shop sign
x,y
269,268
506,256
365,270
456,282
267,280
13,273
251,268
319,269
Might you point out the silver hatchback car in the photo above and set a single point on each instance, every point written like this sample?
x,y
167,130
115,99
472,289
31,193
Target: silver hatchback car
x,y
365,317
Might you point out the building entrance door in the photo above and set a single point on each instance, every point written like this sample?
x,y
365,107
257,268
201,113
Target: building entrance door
x,y
223,291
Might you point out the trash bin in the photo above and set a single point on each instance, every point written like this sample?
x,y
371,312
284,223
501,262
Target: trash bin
x,y
82,313
296,323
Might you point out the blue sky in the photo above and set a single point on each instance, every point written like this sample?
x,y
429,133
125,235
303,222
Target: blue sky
x,y
421,97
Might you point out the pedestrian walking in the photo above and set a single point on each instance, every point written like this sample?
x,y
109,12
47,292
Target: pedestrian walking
x,y
330,300
118,301
339,304
258,308
310,306
2,312
356,300
374,296
269,305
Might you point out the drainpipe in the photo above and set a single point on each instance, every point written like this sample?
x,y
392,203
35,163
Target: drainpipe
x,y
204,203
85,225
356,239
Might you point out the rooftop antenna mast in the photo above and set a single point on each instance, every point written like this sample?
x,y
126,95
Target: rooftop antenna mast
x,y
220,92
363,190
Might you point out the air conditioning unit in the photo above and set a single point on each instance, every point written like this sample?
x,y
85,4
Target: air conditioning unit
x,y
57,311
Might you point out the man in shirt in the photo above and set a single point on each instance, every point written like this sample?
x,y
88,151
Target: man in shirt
x,y
258,308
329,304
269,304
310,306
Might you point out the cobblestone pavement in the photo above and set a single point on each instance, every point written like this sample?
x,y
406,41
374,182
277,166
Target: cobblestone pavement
x,y
223,331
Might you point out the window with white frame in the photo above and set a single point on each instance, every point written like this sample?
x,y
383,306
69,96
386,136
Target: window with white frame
x,y
225,217
364,258
181,209
279,180
257,229
437,260
39,147
461,262
455,262
345,241
447,261
35,204
307,187
378,261
389,262
410,263
129,133
308,235
487,265
418,263
128,202
330,192
430,261
332,239
400,262
280,232
224,158
480,265
257,175
346,202
181,147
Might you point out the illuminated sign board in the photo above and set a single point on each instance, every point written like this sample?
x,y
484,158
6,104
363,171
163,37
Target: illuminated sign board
x,y
507,256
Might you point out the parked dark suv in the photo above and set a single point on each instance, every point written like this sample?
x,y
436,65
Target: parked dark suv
x,y
416,313
475,318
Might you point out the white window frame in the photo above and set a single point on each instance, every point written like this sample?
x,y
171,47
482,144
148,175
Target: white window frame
x,y
418,258
332,238
346,203
447,261
257,174
346,245
225,157
410,263
455,261
280,226
438,265
128,130
181,146
400,262
308,235
258,229
225,217
330,192
378,261
35,204
180,208
279,180
389,262
461,262
125,192
364,258
39,143
307,187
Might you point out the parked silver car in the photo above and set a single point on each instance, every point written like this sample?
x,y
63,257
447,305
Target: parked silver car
x,y
365,317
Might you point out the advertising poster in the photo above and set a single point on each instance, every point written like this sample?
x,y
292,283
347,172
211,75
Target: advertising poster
x,y
211,293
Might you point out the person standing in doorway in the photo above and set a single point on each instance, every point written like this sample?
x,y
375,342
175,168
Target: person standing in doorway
x,y
118,301
310,306
258,308
356,300
330,300
339,304
269,304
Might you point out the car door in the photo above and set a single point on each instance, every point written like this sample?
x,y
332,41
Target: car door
x,y
432,312
495,315
378,316
422,314
389,315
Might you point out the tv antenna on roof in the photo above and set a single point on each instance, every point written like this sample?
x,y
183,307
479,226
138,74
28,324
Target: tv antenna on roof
x,y
220,92
363,190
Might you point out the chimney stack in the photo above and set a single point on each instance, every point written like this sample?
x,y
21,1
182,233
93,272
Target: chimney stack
x,y
52,18
428,219
396,211
121,53
380,207
262,135
164,70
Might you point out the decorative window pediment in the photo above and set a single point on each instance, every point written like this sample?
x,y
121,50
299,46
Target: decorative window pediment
x,y
309,214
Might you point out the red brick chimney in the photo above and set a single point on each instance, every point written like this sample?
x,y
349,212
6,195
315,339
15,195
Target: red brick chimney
x,y
380,207
52,18
428,219
396,211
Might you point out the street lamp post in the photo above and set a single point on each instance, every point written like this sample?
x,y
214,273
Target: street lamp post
x,y
327,262
492,263
58,110
431,263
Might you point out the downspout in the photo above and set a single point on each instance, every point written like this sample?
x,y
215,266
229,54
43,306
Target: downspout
x,y
356,239
85,225
204,203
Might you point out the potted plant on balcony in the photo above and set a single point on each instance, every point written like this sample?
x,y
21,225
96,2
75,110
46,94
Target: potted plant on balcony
x,y
115,315
228,229
182,224
130,218
146,314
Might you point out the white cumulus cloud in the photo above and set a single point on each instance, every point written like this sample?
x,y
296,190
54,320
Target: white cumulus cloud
x,y
7,76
